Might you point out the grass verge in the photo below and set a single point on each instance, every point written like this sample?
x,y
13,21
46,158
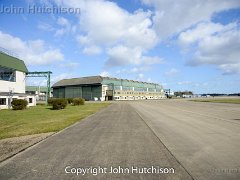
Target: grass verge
x,y
233,101
42,119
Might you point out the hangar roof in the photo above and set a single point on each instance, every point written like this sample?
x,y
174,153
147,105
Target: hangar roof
x,y
77,81
93,80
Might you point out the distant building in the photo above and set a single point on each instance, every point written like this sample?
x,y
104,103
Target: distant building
x,y
184,94
168,92
106,88
12,81
39,91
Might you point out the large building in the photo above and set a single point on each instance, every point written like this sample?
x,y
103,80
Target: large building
x,y
12,81
106,88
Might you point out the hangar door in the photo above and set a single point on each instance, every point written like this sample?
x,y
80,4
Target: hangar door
x,y
90,92
87,92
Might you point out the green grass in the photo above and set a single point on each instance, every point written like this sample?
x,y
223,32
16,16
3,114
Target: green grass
x,y
233,101
42,119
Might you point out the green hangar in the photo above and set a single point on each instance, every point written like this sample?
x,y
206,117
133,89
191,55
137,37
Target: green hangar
x,y
106,88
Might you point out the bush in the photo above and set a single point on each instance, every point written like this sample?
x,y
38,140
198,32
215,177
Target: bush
x,y
60,103
70,100
78,101
50,101
19,104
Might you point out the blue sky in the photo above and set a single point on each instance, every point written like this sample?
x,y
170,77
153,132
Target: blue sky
x,y
183,45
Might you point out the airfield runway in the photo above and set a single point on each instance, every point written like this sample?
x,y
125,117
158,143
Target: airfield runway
x,y
199,140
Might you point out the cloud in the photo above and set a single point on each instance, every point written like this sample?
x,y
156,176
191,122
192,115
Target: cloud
x,y
139,69
140,76
105,74
62,21
229,69
32,52
203,30
65,27
120,33
172,72
61,76
92,50
45,26
70,65
215,44
115,25
147,60
123,55
171,17
184,83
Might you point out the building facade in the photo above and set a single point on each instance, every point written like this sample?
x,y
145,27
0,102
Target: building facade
x,y
12,81
39,91
106,88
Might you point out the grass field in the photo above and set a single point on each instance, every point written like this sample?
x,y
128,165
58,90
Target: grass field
x,y
41,119
233,101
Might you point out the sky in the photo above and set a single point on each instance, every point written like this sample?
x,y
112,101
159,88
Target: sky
x,y
181,44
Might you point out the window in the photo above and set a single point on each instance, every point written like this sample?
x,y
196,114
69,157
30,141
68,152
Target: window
x,y
2,101
7,74
30,100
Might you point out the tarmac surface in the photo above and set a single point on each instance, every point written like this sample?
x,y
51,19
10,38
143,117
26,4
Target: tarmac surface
x,y
198,140
115,136
204,137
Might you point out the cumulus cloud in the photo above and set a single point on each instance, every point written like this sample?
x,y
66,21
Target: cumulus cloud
x,y
120,56
172,17
125,36
33,52
203,30
115,25
123,55
215,44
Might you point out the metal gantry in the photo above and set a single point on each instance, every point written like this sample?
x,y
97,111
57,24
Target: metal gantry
x,y
46,74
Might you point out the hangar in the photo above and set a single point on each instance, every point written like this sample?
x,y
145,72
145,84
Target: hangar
x,y
106,88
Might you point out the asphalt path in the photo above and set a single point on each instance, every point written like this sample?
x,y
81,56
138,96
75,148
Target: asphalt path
x,y
115,137
203,137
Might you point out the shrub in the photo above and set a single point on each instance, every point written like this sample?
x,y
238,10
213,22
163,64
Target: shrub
x,y
70,100
78,101
19,104
60,103
50,101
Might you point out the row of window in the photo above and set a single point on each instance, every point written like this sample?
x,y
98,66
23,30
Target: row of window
x,y
143,93
136,97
